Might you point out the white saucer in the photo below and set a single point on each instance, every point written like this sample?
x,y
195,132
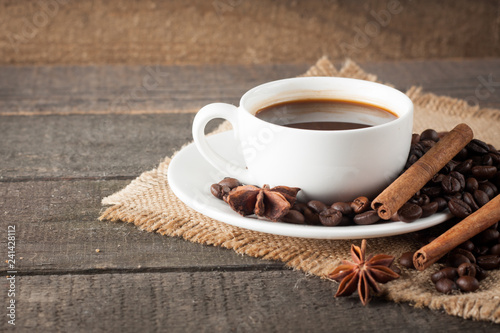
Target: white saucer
x,y
190,177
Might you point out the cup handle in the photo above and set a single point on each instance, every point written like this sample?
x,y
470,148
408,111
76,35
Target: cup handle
x,y
207,113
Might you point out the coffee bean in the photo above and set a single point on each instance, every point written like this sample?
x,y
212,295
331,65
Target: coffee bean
x,y
415,138
429,134
480,273
316,206
368,217
459,208
344,207
495,157
481,250
469,199
409,212
492,148
437,178
216,191
464,167
467,245
446,286
395,217
406,259
471,184
467,283
466,269
495,250
230,182
483,172
478,147
300,206
465,253
420,199
462,155
449,167
417,150
431,191
442,203
481,198
311,217
488,262
490,184
456,259
445,273
330,217
454,182
427,144
457,196
411,160
488,188
360,205
221,189
487,160
429,209
487,237
294,216
395,269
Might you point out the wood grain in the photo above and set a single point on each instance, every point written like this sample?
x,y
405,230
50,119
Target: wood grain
x,y
58,232
89,146
168,89
129,89
56,168
255,301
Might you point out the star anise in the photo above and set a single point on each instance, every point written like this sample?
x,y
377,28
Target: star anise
x,y
272,203
363,273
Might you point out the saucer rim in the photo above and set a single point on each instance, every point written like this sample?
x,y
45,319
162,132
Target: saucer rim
x,y
189,157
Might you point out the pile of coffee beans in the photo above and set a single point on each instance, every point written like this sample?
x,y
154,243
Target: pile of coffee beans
x,y
316,212
465,184
466,265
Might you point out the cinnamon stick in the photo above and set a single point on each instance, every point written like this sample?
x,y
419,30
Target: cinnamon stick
x,y
472,225
405,186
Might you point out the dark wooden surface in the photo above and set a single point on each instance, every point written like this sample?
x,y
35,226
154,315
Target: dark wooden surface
x,y
66,143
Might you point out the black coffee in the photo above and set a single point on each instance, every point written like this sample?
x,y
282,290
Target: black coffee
x,y
325,114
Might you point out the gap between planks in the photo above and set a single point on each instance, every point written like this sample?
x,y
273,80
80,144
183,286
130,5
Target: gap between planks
x,y
94,112
194,269
64,178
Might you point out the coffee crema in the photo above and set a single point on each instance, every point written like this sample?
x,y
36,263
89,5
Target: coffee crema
x,y
325,114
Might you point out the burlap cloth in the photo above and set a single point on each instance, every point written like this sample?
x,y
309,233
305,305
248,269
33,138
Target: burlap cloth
x,y
150,204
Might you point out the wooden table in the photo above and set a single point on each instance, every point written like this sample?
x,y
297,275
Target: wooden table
x,y
71,135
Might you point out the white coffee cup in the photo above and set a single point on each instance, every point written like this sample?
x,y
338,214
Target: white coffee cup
x,y
329,166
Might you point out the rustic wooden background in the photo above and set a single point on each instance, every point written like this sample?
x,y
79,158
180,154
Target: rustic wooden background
x,y
64,147
244,31
95,92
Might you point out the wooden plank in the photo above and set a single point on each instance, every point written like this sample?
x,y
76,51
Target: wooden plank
x,y
126,89
115,89
58,232
477,81
272,301
89,146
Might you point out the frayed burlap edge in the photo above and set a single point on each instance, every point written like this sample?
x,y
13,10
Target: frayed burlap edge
x,y
149,203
